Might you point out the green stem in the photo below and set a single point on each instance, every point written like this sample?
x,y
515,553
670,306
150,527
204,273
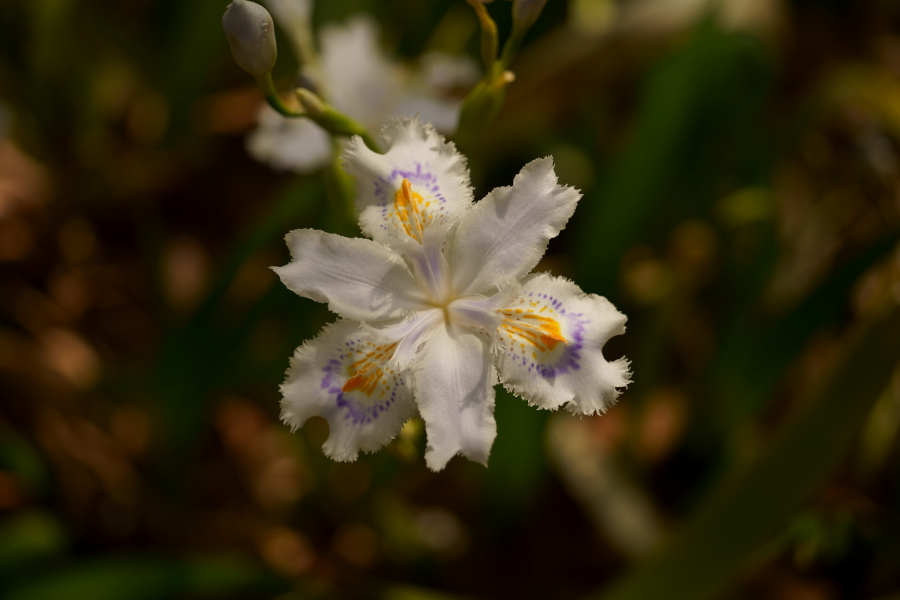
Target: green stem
x,y
489,38
333,121
315,109
267,85
510,48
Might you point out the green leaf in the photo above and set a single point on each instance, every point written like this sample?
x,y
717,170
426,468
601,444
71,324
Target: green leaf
x,y
22,458
748,366
27,537
149,578
696,110
747,510
192,356
517,465
409,592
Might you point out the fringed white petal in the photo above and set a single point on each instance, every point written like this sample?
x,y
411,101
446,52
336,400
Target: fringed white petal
x,y
438,182
358,278
550,347
506,233
344,375
454,386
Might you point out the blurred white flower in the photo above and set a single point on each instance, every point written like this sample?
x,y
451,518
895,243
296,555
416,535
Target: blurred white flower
x,y
291,15
361,82
440,303
444,72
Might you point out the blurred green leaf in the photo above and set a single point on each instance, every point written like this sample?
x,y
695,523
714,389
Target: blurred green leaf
x,y
517,463
192,355
29,536
696,111
748,366
149,578
748,509
409,592
20,457
194,41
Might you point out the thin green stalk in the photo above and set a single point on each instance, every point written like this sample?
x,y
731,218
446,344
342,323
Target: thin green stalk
x,y
489,37
267,85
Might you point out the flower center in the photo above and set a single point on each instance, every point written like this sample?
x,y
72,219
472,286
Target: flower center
x,y
425,245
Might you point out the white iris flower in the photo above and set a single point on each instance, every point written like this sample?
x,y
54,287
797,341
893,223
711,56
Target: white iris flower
x,y
439,303
361,82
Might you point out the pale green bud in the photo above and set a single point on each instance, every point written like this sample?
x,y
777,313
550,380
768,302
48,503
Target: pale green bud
x,y
313,105
251,36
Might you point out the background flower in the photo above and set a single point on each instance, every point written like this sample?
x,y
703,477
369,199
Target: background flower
x,y
362,82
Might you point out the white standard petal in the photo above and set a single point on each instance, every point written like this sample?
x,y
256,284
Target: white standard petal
x,y
344,375
359,279
506,233
454,385
285,144
436,188
549,347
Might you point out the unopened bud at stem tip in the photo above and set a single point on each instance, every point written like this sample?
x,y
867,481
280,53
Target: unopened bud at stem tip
x,y
251,36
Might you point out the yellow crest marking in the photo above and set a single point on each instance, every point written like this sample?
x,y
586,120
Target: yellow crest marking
x,y
367,373
407,209
541,332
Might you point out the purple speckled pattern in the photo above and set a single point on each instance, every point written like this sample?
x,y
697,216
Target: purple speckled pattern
x,y
355,411
423,181
568,357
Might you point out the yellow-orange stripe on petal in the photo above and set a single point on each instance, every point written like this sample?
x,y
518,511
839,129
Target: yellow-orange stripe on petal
x,y
366,373
407,208
542,332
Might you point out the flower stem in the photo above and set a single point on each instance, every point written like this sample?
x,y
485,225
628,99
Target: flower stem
x,y
267,85
315,109
489,38
333,121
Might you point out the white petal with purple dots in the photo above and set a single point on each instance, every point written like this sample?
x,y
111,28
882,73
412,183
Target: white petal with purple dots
x,y
550,347
364,411
436,191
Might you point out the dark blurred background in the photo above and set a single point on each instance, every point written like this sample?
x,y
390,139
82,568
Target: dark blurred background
x,y
740,164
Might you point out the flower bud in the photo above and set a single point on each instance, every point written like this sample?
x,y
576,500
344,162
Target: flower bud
x,y
525,13
251,36
312,104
